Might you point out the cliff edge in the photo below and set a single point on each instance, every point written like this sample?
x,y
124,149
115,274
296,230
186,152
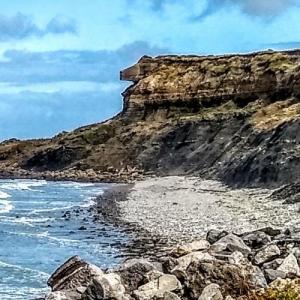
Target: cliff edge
x,y
232,117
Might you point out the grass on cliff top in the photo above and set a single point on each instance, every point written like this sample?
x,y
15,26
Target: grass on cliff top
x,y
275,114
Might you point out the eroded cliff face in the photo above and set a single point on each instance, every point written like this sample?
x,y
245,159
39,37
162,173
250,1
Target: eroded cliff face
x,y
235,117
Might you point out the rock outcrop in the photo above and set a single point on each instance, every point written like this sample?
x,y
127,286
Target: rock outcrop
x,y
234,117
200,270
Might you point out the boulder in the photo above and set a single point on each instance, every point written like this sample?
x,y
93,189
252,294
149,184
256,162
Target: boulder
x,y
66,295
56,296
184,261
256,239
189,248
272,275
211,292
266,254
170,296
152,275
233,280
274,264
133,272
105,287
168,264
157,288
214,235
255,276
290,266
231,243
74,273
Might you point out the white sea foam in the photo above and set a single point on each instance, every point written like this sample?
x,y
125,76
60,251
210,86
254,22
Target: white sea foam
x,y
23,269
5,206
22,185
4,195
24,220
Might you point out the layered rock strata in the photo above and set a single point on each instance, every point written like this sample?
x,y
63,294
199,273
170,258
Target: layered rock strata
x,y
232,117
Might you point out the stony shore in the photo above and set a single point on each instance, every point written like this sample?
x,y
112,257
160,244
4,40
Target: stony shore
x,y
259,265
240,234
185,208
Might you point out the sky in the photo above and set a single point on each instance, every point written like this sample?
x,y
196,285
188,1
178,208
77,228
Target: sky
x,y
60,59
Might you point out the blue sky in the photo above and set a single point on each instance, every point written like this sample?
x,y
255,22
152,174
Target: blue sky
x,y
60,59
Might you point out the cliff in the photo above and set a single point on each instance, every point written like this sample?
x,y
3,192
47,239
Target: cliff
x,y
232,117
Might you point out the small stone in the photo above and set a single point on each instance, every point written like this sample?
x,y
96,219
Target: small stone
x,y
266,254
211,292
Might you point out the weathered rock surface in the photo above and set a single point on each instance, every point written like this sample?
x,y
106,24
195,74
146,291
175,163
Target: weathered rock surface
x,y
266,254
202,274
72,274
211,292
177,115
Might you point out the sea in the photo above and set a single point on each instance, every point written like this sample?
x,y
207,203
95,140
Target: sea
x,y
42,224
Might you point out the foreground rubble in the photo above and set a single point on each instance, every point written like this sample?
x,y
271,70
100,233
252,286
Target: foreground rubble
x,y
263,264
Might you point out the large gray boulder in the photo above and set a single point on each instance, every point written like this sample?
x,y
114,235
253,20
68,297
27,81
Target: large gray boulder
x,y
105,287
133,272
65,295
157,288
184,261
266,254
290,266
211,292
231,243
256,239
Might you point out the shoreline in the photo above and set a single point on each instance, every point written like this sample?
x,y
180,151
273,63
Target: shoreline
x,y
142,243
188,208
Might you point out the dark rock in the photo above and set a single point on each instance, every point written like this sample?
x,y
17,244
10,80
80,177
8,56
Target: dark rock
x,y
213,235
133,272
256,239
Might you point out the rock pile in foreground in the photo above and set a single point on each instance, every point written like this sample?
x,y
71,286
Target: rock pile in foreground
x,y
263,264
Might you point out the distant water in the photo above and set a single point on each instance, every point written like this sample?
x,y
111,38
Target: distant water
x,y
35,238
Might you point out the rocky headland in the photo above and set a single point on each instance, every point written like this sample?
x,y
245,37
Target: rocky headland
x,y
233,118
232,121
